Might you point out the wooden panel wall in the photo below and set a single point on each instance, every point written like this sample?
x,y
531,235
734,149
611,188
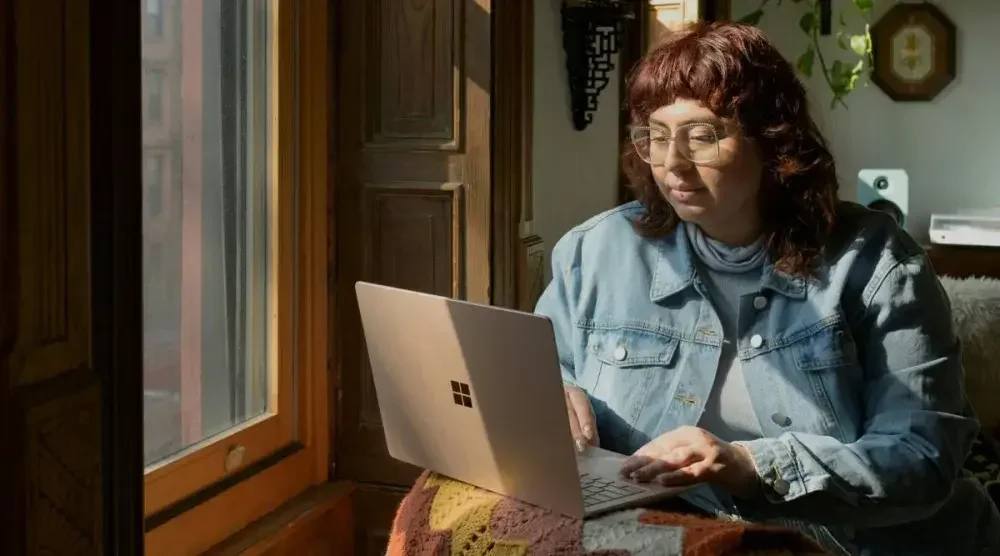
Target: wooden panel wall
x,y
50,396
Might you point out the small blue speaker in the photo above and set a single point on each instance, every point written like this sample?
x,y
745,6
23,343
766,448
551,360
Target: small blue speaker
x,y
887,191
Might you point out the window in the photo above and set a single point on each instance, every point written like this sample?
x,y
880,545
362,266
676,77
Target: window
x,y
154,18
218,328
153,84
234,401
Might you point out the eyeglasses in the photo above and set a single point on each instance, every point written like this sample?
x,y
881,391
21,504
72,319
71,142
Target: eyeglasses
x,y
696,142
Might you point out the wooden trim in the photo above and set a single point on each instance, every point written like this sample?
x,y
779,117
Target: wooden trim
x,y
716,10
315,216
214,520
229,511
531,272
668,15
321,515
203,463
115,146
513,67
631,52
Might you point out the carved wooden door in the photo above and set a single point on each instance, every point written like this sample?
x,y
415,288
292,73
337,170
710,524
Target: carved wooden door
x,y
412,197
55,377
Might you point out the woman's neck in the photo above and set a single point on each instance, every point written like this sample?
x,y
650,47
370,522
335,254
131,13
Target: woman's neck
x,y
723,257
733,232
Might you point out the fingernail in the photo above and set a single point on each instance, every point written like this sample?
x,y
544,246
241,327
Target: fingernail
x,y
588,432
580,445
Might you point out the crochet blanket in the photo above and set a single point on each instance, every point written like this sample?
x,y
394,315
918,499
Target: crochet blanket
x,y
441,516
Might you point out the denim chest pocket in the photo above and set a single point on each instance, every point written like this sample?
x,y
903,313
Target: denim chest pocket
x,y
626,367
826,347
826,359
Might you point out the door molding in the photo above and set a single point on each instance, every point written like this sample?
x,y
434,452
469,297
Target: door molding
x,y
116,264
513,67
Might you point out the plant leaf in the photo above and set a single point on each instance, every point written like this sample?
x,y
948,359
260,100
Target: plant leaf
x,y
868,44
809,22
752,18
842,41
805,62
856,72
865,6
859,44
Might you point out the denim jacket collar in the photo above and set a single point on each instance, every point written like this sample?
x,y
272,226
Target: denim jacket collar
x,y
674,270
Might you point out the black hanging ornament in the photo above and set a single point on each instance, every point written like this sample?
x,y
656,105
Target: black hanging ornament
x,y
592,34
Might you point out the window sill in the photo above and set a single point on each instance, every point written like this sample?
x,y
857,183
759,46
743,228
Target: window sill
x,y
318,521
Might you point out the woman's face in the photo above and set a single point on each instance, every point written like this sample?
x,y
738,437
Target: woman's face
x,y
719,195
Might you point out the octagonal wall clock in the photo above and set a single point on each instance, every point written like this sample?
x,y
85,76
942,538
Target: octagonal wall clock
x,y
914,51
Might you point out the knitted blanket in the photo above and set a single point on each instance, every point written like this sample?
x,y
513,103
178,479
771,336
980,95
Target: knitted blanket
x,y
441,516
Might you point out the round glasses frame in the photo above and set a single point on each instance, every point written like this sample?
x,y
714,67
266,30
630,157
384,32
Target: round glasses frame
x,y
642,137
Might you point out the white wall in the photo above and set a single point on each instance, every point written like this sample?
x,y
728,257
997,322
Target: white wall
x,y
950,147
575,173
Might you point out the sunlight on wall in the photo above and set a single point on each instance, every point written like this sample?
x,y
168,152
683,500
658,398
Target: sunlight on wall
x,y
575,173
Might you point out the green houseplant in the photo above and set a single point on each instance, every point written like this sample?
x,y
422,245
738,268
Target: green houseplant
x,y
841,76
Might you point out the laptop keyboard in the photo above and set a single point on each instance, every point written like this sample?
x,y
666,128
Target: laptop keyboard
x,y
598,490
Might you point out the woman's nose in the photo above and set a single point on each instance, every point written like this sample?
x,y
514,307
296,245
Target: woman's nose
x,y
674,161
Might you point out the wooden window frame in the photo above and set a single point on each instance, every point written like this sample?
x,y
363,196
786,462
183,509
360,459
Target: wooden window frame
x,y
191,502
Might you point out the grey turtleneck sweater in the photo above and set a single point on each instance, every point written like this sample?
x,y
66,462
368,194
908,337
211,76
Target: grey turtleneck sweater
x,y
728,274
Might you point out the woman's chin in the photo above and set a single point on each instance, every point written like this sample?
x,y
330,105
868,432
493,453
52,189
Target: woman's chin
x,y
689,212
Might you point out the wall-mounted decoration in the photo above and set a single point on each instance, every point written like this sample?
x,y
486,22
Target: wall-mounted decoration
x,y
592,33
914,48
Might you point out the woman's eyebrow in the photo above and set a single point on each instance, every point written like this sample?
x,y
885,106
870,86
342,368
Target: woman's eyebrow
x,y
696,120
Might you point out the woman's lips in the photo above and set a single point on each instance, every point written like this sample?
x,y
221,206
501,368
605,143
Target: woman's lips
x,y
685,195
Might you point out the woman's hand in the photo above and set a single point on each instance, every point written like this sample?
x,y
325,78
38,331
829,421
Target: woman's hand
x,y
689,455
581,418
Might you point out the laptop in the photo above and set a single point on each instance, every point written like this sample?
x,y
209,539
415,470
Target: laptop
x,y
474,392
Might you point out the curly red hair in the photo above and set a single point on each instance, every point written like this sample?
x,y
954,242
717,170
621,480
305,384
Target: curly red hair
x,y
735,71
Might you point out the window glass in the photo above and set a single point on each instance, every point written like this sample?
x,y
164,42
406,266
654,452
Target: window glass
x,y
206,220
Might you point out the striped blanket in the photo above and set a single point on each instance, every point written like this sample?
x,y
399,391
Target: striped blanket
x,y
441,516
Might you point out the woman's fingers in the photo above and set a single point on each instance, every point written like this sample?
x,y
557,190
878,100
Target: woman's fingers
x,y
584,414
647,466
574,425
644,469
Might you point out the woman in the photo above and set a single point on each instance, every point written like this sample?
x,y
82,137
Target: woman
x,y
739,328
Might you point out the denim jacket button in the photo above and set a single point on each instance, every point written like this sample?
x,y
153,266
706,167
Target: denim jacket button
x,y
759,302
781,419
780,487
620,353
756,341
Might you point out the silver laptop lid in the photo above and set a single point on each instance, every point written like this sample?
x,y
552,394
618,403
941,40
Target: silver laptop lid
x,y
472,392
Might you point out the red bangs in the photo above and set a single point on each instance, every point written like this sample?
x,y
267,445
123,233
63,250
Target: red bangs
x,y
721,65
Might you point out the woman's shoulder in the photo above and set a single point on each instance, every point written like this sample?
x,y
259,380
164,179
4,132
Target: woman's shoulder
x,y
861,231
604,234
613,220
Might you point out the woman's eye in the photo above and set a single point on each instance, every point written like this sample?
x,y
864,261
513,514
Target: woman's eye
x,y
702,138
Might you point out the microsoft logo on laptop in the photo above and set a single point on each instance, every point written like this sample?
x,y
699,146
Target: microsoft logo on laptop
x,y
461,394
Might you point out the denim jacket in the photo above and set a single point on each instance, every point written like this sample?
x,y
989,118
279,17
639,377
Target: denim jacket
x,y
854,374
